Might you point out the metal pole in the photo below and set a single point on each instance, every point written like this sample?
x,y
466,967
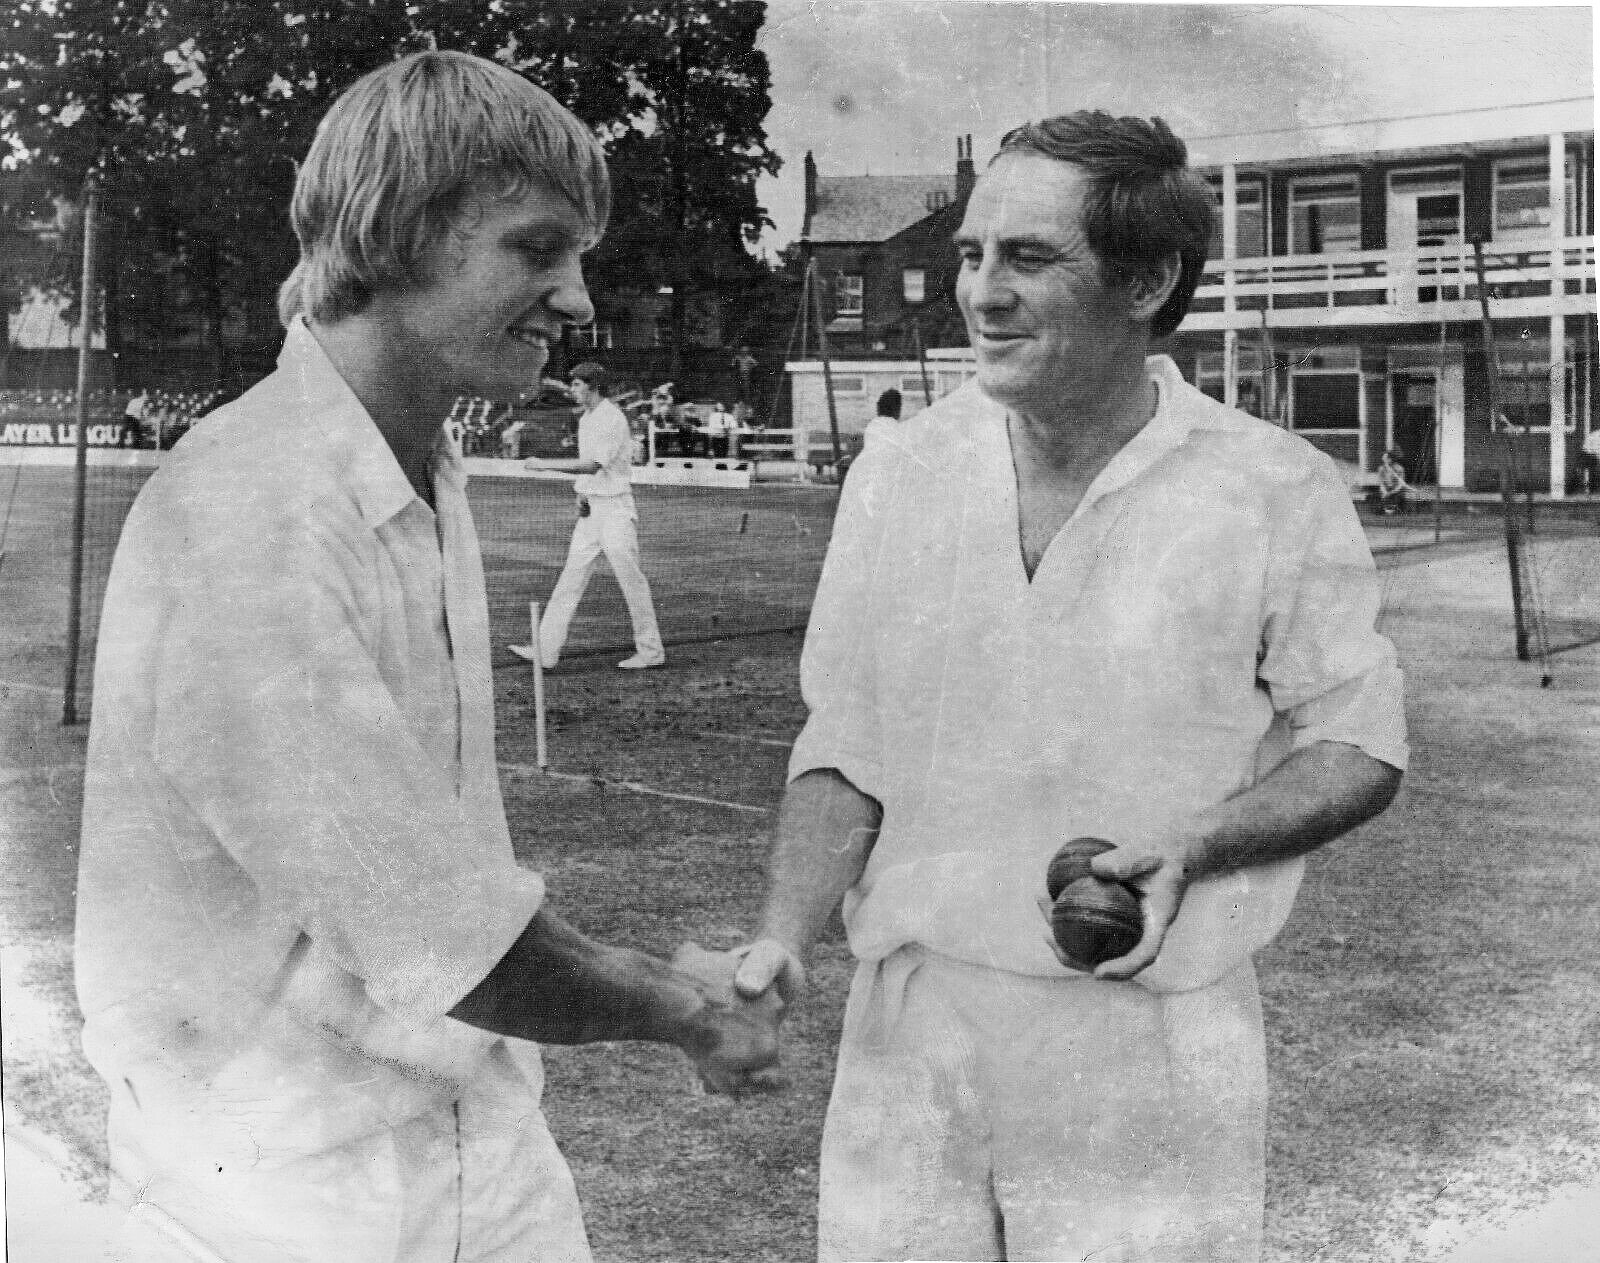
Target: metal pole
x,y
922,363
1438,442
827,370
86,304
541,750
1266,370
1513,526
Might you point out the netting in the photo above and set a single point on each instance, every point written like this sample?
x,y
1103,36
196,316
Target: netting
x,y
721,563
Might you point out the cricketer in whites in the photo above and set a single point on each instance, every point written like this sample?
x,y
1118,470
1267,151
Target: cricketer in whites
x,y
1076,597
309,965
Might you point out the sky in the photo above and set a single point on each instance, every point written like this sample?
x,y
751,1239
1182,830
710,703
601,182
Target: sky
x,y
884,87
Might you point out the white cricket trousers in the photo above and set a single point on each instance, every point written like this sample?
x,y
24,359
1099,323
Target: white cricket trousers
x,y
477,1180
611,527
983,1114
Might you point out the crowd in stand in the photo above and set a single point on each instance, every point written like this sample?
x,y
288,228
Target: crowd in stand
x,y
151,417
55,405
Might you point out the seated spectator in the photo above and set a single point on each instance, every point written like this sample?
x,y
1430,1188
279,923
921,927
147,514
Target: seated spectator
x,y
511,441
133,420
718,428
1392,485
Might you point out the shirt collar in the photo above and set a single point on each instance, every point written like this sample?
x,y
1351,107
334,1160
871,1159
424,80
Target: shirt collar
x,y
350,436
1180,410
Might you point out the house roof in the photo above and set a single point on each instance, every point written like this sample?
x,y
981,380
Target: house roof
x,y
872,207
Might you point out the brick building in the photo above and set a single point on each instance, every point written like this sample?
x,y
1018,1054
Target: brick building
x,y
883,254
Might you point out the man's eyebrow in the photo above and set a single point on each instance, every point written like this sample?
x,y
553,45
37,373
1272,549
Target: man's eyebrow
x,y
1029,243
963,240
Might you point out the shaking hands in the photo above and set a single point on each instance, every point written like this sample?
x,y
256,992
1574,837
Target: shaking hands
x,y
734,1038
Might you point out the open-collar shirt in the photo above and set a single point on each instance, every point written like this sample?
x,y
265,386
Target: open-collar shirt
x,y
1209,606
295,856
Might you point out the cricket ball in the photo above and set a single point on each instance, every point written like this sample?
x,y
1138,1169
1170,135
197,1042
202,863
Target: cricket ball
x,y
1095,921
1072,862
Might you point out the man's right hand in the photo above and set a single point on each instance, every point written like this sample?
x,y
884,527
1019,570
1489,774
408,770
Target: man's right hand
x,y
733,1040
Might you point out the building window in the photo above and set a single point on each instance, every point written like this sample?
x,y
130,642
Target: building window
x,y
937,199
1324,215
849,384
913,284
1522,198
1325,401
598,335
848,295
1250,219
1251,391
1525,388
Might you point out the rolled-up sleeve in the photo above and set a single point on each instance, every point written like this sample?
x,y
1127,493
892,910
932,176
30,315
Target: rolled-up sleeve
x,y
1327,667
276,728
838,667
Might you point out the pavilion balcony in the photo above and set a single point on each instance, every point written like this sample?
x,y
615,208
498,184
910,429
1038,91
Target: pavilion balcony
x,y
1392,287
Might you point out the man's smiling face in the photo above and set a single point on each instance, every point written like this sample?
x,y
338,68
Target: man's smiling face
x,y
1040,316
498,290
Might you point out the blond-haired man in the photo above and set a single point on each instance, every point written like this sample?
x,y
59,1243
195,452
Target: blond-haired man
x,y
310,967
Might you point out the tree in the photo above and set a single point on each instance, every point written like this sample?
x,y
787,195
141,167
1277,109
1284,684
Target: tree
x,y
678,91
193,113
190,116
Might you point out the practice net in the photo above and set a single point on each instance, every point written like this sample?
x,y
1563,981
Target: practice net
x,y
722,563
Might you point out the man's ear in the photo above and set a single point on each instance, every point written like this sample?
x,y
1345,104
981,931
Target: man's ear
x,y
1150,289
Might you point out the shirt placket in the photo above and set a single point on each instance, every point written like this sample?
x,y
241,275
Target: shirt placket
x,y
467,618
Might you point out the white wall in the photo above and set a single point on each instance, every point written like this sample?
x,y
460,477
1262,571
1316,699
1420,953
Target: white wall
x,y
857,385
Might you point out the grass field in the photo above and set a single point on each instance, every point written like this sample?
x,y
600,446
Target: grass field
x,y
1431,1020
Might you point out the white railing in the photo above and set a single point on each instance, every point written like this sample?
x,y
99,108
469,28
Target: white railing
x,y
1400,280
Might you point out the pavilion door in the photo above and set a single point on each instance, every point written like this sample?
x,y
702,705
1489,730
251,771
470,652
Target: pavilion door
x,y
1415,430
1425,235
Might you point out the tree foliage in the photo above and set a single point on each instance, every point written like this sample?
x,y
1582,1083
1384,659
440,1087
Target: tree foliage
x,y
193,113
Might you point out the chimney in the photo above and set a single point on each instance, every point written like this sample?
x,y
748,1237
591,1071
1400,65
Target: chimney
x,y
811,194
966,177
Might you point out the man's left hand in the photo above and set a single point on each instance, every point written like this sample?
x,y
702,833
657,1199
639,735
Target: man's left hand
x,y
741,1052
1161,870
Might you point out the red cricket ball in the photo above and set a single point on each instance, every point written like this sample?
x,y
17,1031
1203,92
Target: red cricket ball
x,y
1072,862
1095,921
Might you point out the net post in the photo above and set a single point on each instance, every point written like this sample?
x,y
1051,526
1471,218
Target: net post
x,y
86,304
541,750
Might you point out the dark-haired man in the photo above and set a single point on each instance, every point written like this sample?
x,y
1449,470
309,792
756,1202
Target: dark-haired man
x,y
885,420
608,523
1083,599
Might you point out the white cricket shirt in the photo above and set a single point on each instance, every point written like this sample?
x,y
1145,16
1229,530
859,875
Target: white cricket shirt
x,y
295,858
604,437
1209,606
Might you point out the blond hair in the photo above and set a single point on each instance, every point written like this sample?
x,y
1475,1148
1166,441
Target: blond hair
x,y
397,159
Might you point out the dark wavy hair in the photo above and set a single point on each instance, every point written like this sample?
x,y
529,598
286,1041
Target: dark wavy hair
x,y
594,375
1143,203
